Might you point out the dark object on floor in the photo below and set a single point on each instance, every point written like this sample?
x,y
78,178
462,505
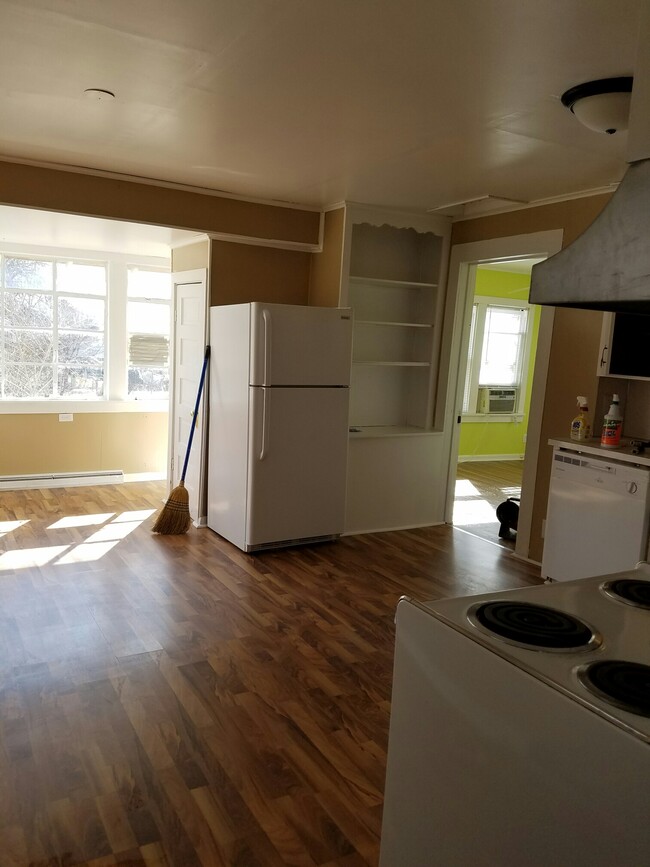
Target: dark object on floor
x,y
508,517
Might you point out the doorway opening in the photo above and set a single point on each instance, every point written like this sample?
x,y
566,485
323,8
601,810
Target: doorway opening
x,y
85,328
499,346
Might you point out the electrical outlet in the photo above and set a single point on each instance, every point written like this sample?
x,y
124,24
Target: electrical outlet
x,y
525,437
65,416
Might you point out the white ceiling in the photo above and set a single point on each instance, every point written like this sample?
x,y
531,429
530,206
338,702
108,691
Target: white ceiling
x,y
403,103
26,226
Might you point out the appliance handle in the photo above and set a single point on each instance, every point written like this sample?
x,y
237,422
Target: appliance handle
x,y
266,316
266,402
603,356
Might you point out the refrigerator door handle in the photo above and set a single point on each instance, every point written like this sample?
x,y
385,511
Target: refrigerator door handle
x,y
266,316
266,400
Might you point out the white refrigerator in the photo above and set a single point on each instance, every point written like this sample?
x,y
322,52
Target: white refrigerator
x,y
278,432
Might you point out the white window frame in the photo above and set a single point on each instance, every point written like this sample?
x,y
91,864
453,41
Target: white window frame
x,y
115,362
482,302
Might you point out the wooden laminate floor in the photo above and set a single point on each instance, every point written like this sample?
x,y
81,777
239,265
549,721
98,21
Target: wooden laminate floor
x,y
172,701
480,487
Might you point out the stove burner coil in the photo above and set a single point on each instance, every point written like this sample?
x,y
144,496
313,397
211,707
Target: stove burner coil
x,y
623,684
533,625
630,590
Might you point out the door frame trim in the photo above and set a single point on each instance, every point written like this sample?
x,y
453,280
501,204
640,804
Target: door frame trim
x,y
462,266
196,275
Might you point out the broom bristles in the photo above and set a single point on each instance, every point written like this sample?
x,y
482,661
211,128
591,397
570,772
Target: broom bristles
x,y
174,517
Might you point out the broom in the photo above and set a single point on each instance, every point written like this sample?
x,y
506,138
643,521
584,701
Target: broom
x,y
174,517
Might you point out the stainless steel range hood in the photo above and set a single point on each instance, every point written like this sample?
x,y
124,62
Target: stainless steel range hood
x,y
608,266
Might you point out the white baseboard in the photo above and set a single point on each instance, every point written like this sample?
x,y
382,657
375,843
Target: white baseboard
x,y
145,477
463,458
392,529
61,480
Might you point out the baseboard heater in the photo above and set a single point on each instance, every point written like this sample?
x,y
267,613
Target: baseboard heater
x,y
61,480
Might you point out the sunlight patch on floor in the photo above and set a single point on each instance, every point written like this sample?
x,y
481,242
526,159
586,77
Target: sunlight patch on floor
x,y
10,526
464,488
138,515
512,492
29,557
80,521
93,548
477,511
86,553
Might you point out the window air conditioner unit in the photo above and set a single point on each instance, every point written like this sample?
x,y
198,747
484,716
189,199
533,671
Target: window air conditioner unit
x,y
494,400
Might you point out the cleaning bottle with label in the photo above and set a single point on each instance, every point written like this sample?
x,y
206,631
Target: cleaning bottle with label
x,y
580,427
611,436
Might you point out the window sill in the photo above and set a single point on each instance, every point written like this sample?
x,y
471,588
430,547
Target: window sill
x,y
53,407
493,418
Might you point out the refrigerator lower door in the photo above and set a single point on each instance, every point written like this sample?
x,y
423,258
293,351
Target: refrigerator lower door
x,y
297,465
304,346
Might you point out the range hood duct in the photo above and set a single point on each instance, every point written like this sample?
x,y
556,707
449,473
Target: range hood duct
x,y
608,266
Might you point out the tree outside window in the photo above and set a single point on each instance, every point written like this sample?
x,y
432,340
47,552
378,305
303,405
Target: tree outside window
x,y
52,324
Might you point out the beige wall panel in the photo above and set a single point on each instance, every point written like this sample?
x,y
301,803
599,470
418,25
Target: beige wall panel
x,y
240,273
325,277
576,333
76,193
132,442
191,256
573,216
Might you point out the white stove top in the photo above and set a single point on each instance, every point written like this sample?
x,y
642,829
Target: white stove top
x,y
622,632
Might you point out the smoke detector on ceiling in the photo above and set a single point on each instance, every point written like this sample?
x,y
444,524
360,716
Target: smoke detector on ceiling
x,y
603,105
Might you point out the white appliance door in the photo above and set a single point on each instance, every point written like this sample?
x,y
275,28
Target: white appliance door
x,y
294,345
297,464
597,518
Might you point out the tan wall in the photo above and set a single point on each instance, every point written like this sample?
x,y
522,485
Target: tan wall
x,y
191,256
129,441
241,272
325,277
98,196
576,333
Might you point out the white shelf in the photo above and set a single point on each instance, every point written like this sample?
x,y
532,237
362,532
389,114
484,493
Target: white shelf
x,y
390,431
393,363
391,284
393,324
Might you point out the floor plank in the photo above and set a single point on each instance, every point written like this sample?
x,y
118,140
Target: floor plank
x,y
169,700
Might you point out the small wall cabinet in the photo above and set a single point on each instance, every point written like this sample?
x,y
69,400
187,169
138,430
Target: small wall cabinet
x,y
624,343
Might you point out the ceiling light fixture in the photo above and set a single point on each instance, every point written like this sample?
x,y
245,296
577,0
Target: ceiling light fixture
x,y
602,105
98,94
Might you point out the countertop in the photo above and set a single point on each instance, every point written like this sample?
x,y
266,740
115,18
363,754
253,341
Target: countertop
x,y
593,447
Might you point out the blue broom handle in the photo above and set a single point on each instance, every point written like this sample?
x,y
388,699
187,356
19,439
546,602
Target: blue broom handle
x,y
196,412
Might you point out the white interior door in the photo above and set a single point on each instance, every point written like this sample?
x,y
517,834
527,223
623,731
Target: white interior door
x,y
190,338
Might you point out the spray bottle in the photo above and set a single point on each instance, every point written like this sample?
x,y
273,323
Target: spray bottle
x,y
580,427
611,436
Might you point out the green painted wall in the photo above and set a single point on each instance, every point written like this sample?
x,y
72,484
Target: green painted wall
x,y
478,439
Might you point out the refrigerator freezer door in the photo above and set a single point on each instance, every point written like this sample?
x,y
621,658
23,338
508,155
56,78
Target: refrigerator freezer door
x,y
294,345
297,464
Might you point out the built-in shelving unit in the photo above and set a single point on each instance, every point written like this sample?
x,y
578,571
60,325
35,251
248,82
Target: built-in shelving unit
x,y
393,290
392,274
